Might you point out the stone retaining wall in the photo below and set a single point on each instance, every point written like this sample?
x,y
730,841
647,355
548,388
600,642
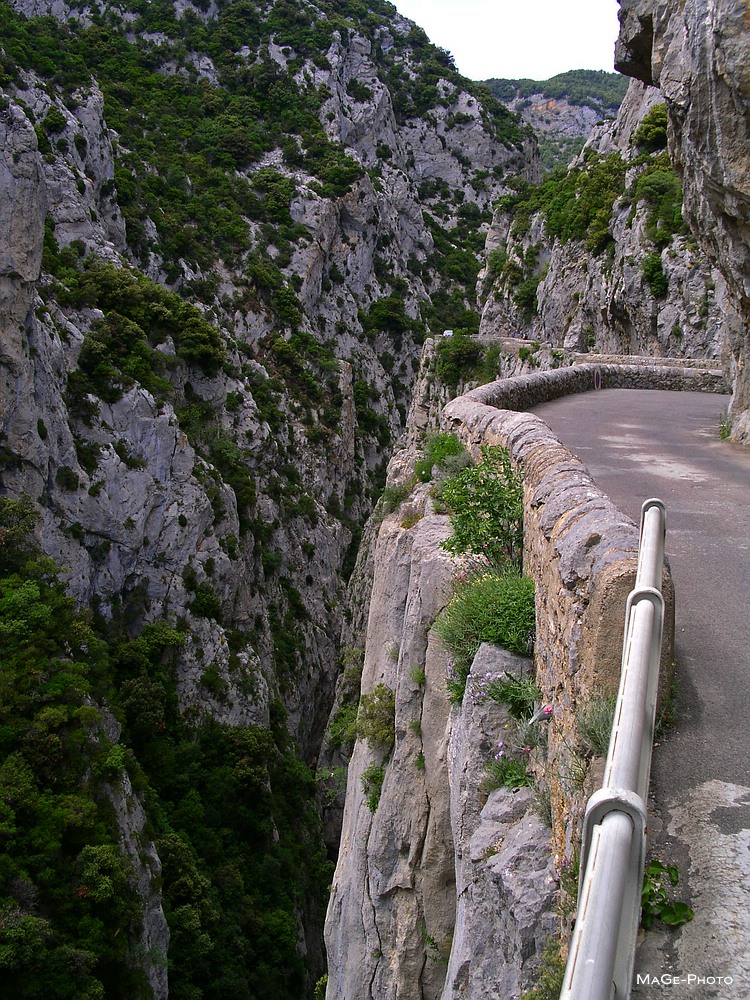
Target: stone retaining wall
x,y
580,549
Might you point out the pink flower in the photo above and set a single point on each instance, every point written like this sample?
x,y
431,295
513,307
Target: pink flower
x,y
548,710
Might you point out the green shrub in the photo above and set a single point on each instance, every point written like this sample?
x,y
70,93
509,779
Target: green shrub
x,y
496,261
653,272
342,730
439,449
551,974
659,186
138,314
656,897
214,682
394,496
525,295
359,91
87,453
54,121
372,782
457,358
507,772
376,719
485,502
487,607
594,722
651,134
67,479
725,426
205,604
519,693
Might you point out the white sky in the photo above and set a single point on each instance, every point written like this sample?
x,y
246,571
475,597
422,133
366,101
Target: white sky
x,y
519,38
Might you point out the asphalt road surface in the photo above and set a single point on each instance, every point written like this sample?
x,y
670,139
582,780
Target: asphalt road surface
x,y
645,443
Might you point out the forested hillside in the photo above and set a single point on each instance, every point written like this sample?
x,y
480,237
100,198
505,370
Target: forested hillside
x,y
591,87
564,109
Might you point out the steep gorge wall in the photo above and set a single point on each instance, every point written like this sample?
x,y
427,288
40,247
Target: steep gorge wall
x,y
601,299
227,501
153,517
697,54
486,906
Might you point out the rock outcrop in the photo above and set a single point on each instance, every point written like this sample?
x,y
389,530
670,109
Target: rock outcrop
x,y
394,890
506,883
441,890
697,55
605,301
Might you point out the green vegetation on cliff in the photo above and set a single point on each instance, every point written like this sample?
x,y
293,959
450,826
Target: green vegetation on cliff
x,y
576,204
231,810
595,88
183,134
492,601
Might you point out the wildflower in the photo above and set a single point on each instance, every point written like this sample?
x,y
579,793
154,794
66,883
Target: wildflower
x,y
547,710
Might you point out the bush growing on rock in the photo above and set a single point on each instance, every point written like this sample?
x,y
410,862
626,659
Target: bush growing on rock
x,y
485,502
487,606
376,718
372,782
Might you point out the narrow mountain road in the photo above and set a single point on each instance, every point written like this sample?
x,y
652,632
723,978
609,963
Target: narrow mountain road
x,y
640,444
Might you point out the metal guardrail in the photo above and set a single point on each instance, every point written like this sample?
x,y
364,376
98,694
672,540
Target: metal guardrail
x,y
602,949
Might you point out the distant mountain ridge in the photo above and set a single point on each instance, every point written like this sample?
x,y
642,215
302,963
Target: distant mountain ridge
x,y
564,109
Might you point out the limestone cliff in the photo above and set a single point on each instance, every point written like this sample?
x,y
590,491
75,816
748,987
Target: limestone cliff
x,y
634,289
697,55
441,891
148,515
210,329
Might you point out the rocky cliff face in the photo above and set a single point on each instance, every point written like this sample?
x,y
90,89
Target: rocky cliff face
x,y
441,890
606,299
203,429
153,515
697,55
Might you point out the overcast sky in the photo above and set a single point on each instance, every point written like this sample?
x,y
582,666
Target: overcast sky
x,y
519,38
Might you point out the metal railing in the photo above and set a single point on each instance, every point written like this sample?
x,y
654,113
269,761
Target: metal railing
x,y
602,949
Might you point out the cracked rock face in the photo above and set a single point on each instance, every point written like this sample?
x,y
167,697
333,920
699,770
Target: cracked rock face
x,y
697,52
393,889
602,302
505,885
441,892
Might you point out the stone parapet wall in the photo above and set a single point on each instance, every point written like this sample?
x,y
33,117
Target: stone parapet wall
x,y
524,391
581,551
638,361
